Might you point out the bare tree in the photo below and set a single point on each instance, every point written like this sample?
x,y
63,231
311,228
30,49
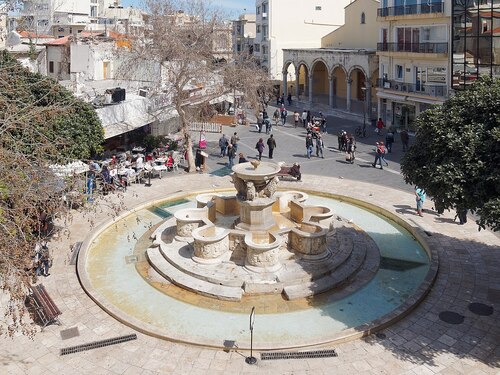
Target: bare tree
x,y
184,38
41,123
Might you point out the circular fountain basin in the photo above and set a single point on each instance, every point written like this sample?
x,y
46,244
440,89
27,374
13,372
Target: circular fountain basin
x,y
264,171
110,276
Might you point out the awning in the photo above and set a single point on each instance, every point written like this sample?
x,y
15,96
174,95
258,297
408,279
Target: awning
x,y
408,98
383,95
223,98
118,128
70,169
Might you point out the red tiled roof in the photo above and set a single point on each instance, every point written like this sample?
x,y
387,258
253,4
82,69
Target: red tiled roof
x,y
29,34
89,34
58,42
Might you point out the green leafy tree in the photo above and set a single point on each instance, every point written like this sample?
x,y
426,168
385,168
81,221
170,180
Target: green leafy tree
x,y
456,154
41,123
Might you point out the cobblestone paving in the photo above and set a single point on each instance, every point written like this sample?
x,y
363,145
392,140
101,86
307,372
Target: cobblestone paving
x,y
420,343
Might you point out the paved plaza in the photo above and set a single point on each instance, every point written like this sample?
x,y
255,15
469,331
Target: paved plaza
x,y
420,343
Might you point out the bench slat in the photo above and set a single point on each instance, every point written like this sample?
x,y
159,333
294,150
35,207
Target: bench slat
x,y
45,307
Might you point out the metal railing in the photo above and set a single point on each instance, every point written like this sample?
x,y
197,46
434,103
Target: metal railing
x,y
440,91
403,10
427,47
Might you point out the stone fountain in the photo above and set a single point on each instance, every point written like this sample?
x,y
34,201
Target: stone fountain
x,y
257,241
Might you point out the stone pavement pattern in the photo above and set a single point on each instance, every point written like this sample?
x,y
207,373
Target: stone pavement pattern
x,y
419,344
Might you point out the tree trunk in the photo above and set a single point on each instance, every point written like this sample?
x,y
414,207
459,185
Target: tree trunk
x,y
188,142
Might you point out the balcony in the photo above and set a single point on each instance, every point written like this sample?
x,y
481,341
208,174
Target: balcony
x,y
427,47
438,91
404,10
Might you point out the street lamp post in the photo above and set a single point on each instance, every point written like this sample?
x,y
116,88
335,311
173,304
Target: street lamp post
x,y
363,89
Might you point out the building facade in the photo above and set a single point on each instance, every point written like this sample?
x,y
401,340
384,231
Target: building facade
x,y
414,58
344,71
292,24
476,41
62,17
244,34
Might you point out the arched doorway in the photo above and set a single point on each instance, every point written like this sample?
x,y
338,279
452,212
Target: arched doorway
x,y
339,87
303,81
320,83
358,92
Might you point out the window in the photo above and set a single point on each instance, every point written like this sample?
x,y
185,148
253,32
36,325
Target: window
x,y
318,7
258,29
264,31
93,11
51,66
363,18
264,8
256,47
399,72
257,10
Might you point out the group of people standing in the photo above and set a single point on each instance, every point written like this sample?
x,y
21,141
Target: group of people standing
x,y
229,148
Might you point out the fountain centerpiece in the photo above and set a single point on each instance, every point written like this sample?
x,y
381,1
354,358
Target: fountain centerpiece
x,y
256,183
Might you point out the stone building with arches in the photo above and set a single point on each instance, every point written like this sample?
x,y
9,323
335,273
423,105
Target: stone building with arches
x,y
343,73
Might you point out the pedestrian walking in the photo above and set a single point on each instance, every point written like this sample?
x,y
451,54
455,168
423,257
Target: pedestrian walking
x,y
260,121
378,156
268,124
260,147
231,154
389,140
276,116
405,139
271,145
309,117
42,259
383,153
234,141
284,113
351,150
380,126
323,122
420,199
309,146
304,118
223,143
289,99
296,118
319,146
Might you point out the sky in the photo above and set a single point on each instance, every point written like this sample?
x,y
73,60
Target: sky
x,y
233,7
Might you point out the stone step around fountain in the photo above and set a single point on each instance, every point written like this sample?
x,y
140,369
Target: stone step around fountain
x,y
351,275
179,278
179,254
339,252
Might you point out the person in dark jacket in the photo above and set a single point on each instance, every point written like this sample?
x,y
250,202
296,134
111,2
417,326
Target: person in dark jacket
x,y
260,147
271,145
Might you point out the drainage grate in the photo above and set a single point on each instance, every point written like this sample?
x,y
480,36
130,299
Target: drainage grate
x,y
97,344
481,309
451,317
381,335
299,355
69,333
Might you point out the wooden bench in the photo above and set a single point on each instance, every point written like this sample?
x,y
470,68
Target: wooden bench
x,y
45,308
285,172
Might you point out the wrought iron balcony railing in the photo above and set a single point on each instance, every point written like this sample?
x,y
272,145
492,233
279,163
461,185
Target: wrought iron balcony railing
x,y
426,47
440,91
